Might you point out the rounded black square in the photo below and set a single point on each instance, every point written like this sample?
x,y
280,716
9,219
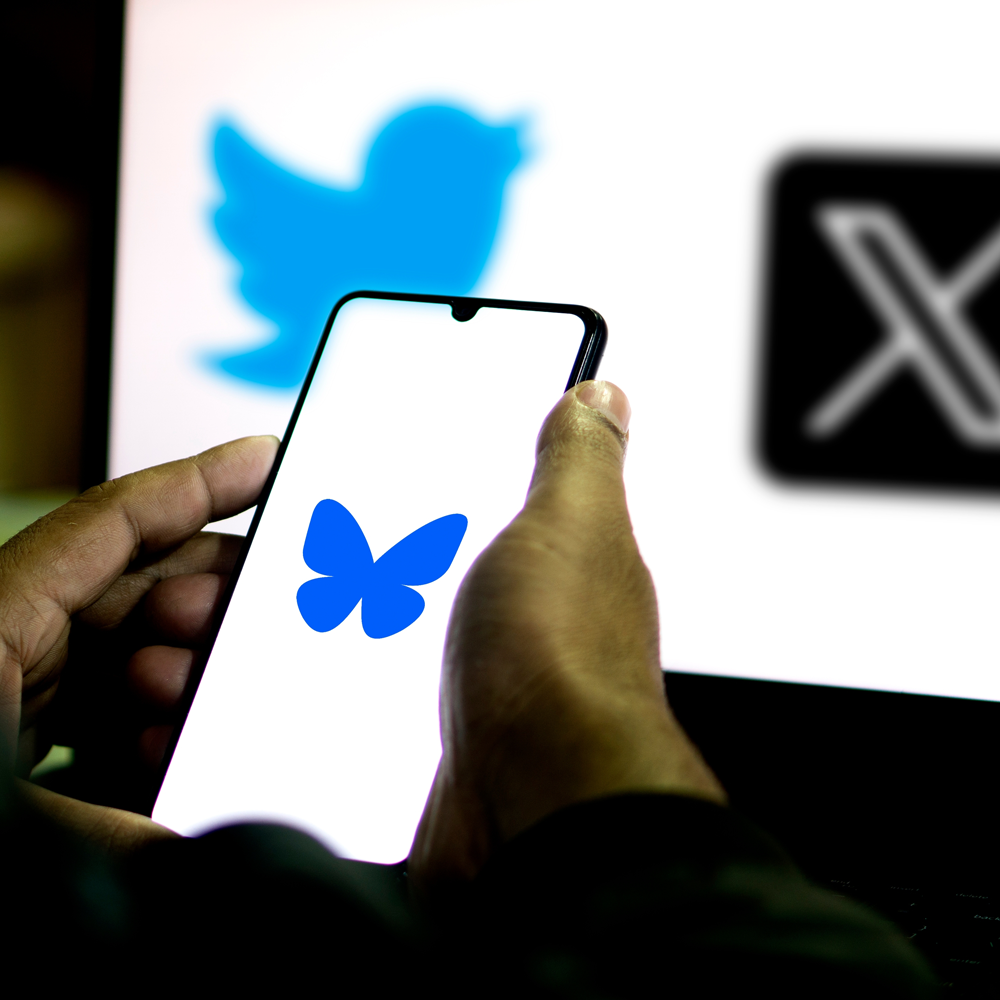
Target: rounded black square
x,y
824,326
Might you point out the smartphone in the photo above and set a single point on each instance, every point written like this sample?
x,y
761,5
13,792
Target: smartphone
x,y
411,446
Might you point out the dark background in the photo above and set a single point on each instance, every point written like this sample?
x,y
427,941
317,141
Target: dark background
x,y
59,71
856,785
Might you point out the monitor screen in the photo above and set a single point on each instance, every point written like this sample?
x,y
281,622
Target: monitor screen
x,y
788,215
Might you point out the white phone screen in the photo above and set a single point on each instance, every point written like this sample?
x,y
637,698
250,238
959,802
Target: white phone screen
x,y
332,725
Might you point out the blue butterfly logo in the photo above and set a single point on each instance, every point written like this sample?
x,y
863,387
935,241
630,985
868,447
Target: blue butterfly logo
x,y
336,547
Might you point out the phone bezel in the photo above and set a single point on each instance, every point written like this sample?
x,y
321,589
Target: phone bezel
x,y
585,366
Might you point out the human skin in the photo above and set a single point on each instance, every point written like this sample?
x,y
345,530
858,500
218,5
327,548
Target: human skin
x,y
552,691
125,564
551,686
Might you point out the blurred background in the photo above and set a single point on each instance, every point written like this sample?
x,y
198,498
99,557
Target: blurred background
x,y
643,191
47,162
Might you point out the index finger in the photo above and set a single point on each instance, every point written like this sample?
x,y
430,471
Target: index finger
x,y
67,560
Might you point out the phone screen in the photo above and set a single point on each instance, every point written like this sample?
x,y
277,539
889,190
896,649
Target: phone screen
x,y
413,448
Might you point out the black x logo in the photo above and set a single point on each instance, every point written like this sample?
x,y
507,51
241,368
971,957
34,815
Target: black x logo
x,y
882,318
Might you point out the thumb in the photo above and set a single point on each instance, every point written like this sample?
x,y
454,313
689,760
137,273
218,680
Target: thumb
x,y
577,512
579,459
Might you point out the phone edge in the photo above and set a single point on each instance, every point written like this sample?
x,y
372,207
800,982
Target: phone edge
x,y
584,368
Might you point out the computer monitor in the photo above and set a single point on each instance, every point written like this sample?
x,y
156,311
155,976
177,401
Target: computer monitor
x,y
787,215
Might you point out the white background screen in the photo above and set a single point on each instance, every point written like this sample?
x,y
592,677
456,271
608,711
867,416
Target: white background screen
x,y
646,131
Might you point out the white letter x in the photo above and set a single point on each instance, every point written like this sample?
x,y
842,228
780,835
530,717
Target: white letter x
x,y
925,326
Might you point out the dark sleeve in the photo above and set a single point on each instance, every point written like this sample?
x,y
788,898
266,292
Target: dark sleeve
x,y
253,909
263,909
665,895
623,897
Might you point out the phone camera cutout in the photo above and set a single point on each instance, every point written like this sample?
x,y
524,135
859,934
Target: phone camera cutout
x,y
463,310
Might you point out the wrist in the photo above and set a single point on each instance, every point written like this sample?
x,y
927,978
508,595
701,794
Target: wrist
x,y
593,745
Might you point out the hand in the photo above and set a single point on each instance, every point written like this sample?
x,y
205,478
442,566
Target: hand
x,y
105,603
552,691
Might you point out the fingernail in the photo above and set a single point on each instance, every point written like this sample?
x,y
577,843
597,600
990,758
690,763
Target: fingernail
x,y
609,399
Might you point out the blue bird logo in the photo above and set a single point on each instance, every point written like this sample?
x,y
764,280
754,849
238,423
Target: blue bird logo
x,y
423,219
336,547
